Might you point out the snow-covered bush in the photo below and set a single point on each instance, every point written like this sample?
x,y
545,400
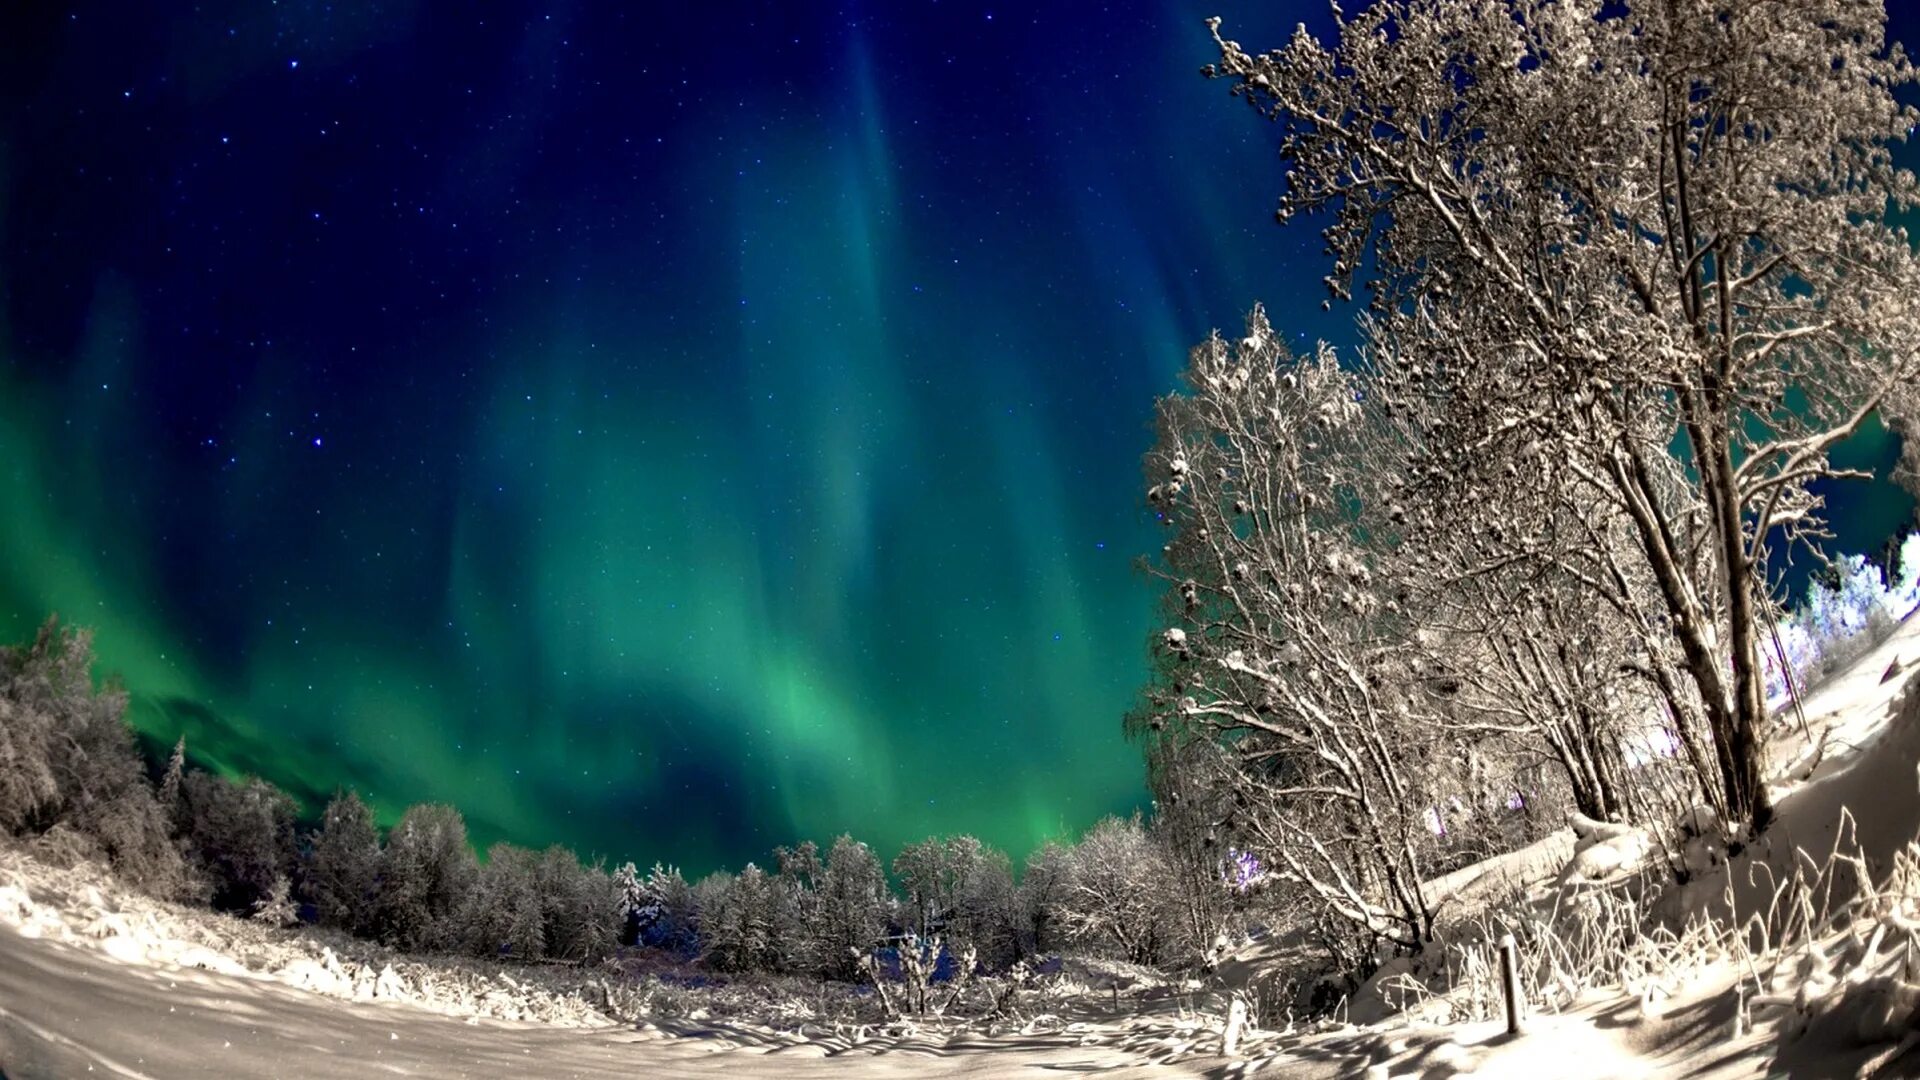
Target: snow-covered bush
x,y
277,907
1844,613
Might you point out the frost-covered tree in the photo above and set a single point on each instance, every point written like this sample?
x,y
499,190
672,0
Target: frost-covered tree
x,y
739,917
1191,813
797,875
1534,623
927,880
426,873
343,871
238,835
669,914
1289,645
961,890
1594,232
852,908
504,914
580,906
68,763
630,892
984,917
172,796
1115,893
1042,884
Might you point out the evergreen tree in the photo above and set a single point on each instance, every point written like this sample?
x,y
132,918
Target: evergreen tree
x,y
343,876
173,802
630,891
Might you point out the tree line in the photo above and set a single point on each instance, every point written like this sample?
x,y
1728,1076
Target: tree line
x,y
73,784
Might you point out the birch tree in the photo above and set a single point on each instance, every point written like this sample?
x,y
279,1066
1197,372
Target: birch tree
x,y
1607,233
1286,643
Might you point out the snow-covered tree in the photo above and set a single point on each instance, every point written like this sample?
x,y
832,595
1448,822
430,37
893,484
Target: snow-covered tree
x,y
1288,643
580,906
797,875
343,872
1042,884
239,835
426,873
925,877
961,890
852,907
68,761
504,913
739,917
668,916
1594,232
172,795
630,892
1115,893
984,917
1190,810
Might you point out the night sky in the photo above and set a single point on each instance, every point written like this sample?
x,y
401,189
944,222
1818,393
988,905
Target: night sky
x,y
670,435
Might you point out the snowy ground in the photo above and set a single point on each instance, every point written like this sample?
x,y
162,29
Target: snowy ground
x,y
67,1010
92,982
97,981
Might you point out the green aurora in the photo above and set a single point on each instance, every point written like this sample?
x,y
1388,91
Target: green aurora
x,y
665,447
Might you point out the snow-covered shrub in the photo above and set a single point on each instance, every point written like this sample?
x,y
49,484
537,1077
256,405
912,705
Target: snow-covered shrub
x,y
1843,614
277,907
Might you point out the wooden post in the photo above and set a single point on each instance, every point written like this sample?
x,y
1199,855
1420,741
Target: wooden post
x,y
1510,981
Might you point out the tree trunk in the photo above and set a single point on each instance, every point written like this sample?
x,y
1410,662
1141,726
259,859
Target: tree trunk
x,y
1690,627
1747,722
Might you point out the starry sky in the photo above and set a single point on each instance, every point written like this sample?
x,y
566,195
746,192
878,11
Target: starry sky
x,y
667,433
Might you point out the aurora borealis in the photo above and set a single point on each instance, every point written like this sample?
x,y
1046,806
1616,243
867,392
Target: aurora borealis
x,y
670,434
